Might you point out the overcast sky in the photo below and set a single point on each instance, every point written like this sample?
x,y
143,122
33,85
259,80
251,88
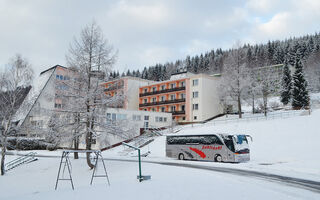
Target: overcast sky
x,y
147,32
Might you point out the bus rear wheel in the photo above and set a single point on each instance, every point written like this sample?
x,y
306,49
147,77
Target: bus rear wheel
x,y
218,158
181,156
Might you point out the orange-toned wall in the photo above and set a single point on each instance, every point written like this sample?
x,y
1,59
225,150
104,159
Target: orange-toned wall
x,y
188,100
167,95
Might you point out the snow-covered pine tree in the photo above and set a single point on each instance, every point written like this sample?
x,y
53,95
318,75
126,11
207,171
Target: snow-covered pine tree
x,y
286,84
300,96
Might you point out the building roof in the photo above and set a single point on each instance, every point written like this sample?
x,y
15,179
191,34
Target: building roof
x,y
132,78
52,68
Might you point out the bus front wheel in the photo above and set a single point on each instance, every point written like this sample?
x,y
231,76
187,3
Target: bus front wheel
x,y
218,158
181,156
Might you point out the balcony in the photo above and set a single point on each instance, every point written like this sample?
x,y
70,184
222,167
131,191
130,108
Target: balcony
x,y
162,102
111,88
162,91
180,112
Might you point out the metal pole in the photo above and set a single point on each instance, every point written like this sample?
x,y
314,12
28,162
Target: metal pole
x,y
67,154
95,167
59,171
140,177
105,170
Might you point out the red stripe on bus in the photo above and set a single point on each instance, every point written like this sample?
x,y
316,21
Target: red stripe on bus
x,y
200,153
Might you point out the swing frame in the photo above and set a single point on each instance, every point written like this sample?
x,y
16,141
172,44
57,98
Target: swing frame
x,y
67,164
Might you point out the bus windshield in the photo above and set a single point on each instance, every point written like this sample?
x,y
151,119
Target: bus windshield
x,y
236,143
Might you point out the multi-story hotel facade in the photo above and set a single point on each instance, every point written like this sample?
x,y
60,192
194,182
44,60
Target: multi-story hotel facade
x,y
189,97
128,87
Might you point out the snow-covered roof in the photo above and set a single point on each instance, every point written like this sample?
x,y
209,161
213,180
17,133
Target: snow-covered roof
x,y
38,85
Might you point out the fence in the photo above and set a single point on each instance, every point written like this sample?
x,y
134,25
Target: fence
x,y
258,117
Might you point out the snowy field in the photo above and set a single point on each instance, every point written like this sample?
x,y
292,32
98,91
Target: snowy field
x,y
36,180
284,146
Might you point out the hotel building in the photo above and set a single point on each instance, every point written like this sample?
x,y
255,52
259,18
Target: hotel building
x,y
189,97
129,88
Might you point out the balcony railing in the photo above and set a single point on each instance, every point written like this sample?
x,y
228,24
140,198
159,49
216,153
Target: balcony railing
x,y
116,87
162,102
181,112
162,91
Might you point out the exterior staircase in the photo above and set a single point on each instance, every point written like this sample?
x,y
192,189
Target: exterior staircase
x,y
30,157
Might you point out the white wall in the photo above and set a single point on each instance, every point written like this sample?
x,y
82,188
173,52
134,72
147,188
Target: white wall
x,y
132,92
207,100
133,125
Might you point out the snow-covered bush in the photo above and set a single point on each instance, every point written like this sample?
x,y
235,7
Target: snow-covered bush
x,y
29,144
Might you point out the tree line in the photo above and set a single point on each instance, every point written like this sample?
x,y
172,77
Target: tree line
x,y
258,55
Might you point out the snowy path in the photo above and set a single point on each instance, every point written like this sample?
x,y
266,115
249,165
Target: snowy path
x,y
291,181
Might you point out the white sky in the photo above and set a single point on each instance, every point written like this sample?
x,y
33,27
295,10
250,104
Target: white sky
x,y
147,32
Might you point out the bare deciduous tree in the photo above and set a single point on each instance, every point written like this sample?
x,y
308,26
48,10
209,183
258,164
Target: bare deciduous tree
x,y
235,76
91,57
17,75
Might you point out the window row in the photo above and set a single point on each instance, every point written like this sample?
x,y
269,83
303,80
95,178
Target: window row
x,y
164,87
163,98
117,116
171,109
161,119
206,140
61,77
62,87
58,105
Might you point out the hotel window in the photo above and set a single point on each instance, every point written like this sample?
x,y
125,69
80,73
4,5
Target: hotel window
x,y
109,116
195,117
195,106
153,110
163,98
183,95
163,109
182,84
146,117
154,89
195,94
145,100
121,116
183,107
145,90
163,87
195,82
136,117
154,99
172,85
165,119
173,108
172,96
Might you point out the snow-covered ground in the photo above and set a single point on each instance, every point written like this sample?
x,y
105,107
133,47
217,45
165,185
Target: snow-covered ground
x,y
286,146
36,180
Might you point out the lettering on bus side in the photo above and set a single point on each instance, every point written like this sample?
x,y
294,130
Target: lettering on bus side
x,y
212,147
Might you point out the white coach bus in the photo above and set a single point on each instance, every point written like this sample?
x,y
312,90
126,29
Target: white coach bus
x,y
211,147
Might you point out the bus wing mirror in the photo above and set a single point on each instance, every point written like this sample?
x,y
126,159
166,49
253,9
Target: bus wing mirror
x,y
249,137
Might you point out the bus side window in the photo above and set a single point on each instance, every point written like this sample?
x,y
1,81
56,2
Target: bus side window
x,y
217,140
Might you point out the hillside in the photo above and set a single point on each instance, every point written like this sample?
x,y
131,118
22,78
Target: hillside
x,y
285,145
